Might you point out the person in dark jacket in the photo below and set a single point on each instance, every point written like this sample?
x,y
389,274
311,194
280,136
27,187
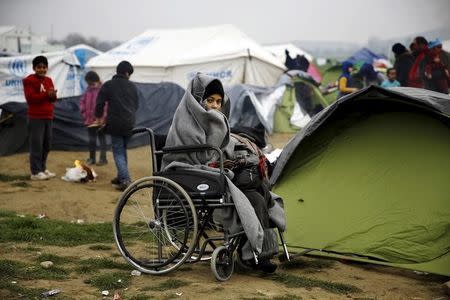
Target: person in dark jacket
x,y
403,63
122,98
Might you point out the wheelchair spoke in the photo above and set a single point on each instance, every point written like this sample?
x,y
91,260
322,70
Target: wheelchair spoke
x,y
153,224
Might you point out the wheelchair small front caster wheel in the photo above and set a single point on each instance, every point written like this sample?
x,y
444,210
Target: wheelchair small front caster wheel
x,y
222,263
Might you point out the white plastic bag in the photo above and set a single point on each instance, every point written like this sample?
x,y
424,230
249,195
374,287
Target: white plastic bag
x,y
75,174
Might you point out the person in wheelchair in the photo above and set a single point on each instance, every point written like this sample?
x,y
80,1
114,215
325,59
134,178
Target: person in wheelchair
x,y
202,118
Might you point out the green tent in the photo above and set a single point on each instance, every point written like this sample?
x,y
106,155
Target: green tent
x,y
369,179
300,88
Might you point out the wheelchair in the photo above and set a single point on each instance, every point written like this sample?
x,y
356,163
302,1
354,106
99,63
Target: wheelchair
x,y
167,219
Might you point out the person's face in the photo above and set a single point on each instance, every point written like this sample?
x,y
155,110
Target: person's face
x,y
40,69
392,75
213,102
350,69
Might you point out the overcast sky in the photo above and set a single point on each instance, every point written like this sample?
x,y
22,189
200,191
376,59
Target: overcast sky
x,y
266,21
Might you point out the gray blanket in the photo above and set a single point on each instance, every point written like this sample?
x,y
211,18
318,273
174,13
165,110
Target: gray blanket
x,y
193,125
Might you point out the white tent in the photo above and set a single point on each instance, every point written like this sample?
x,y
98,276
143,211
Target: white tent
x,y
446,45
176,55
66,68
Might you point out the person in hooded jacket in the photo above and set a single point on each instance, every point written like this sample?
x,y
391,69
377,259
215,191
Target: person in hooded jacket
x,y
206,107
403,63
122,98
345,84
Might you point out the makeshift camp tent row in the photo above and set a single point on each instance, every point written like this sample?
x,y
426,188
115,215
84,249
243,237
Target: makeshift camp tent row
x,y
176,55
365,55
367,179
287,107
66,68
157,105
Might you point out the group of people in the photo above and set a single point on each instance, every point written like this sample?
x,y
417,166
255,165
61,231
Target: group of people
x,y
201,118
108,108
426,65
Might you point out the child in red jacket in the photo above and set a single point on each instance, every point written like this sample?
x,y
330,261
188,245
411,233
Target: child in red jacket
x,y
40,95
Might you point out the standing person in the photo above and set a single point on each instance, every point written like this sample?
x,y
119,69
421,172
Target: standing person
x,y
40,95
345,85
403,63
416,74
87,108
392,79
122,98
437,74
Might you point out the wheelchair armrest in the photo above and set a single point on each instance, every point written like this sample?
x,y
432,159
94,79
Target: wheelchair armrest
x,y
194,148
190,148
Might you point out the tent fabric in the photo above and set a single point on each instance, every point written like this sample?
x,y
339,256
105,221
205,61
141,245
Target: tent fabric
x,y
176,55
287,107
157,104
66,68
367,178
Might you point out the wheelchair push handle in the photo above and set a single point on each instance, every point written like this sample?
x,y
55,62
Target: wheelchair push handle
x,y
139,130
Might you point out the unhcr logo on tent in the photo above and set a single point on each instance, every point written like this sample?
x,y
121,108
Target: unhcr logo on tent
x,y
18,67
223,74
135,45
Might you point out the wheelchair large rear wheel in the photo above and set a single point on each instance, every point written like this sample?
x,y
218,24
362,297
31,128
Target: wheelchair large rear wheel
x,y
141,233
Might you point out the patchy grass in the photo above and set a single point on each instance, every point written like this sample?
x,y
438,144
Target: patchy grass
x,y
22,184
10,269
293,281
8,178
308,264
94,264
100,247
7,214
56,259
52,232
287,297
18,291
167,285
284,297
111,281
140,297
32,249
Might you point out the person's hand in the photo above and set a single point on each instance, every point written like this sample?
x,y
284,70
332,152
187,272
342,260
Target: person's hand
x,y
228,164
52,94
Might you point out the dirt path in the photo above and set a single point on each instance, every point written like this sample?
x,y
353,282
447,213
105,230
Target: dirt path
x,y
95,202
